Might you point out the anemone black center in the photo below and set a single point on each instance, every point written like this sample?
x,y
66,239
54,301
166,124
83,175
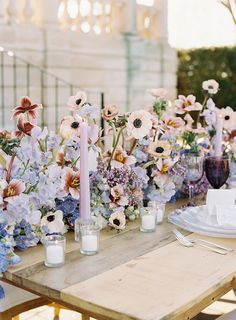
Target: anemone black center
x,y
227,117
75,125
210,87
51,218
78,102
159,150
109,113
137,123
116,222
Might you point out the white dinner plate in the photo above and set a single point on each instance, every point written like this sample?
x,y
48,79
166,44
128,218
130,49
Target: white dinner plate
x,y
196,219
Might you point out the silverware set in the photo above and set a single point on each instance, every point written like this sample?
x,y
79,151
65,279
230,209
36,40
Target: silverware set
x,y
188,242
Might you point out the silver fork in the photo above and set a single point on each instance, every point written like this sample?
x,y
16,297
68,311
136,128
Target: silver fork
x,y
187,243
205,242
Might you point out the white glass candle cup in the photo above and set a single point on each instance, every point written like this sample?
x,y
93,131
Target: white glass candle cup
x,y
89,239
159,210
147,219
54,246
80,223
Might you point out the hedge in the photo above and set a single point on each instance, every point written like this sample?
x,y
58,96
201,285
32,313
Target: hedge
x,y
198,65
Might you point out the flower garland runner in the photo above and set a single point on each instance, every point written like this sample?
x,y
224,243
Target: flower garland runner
x,y
138,160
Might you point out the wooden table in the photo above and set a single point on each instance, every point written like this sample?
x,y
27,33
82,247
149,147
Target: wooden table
x,y
134,276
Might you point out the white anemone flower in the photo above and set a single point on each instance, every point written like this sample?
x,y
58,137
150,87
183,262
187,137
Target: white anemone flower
x,y
211,86
229,118
117,220
53,221
139,124
75,102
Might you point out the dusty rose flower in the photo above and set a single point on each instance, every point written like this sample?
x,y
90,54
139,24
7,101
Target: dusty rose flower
x,y
121,157
70,126
117,197
189,125
109,112
139,124
26,106
5,134
164,165
24,126
185,104
137,194
61,161
211,86
171,122
159,149
189,121
53,221
159,93
13,189
75,102
72,181
231,135
117,220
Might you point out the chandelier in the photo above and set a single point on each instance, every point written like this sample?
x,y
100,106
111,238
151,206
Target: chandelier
x,y
99,17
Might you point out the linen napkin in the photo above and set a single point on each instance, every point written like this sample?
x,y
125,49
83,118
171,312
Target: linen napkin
x,y
219,197
226,215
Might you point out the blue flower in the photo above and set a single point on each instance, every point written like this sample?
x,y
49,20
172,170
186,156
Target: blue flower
x,y
26,237
67,205
14,259
3,263
2,294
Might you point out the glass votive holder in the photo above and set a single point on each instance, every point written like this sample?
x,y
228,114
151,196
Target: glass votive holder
x,y
147,219
89,239
80,223
159,210
54,246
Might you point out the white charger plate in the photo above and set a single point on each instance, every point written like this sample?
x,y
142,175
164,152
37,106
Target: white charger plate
x,y
196,219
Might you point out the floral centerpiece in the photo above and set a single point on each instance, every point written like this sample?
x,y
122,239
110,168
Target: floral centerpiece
x,y
139,159
39,178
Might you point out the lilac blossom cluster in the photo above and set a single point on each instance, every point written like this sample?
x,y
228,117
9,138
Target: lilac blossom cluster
x,y
116,191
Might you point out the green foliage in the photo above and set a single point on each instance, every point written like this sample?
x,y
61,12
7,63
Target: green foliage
x,y
195,66
190,139
8,145
160,107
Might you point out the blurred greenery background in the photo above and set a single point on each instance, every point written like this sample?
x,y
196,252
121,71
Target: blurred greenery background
x,y
198,65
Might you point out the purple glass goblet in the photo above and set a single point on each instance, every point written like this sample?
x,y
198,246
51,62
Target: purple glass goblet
x,y
217,170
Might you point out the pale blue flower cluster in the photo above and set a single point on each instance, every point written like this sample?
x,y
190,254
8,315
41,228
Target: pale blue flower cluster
x,y
7,256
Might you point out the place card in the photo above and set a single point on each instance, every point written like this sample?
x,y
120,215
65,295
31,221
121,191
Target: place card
x,y
219,197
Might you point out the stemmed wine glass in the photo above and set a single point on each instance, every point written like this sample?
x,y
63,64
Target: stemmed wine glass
x,y
217,170
193,173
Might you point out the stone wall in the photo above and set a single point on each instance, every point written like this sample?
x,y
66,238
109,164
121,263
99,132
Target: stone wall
x,y
123,66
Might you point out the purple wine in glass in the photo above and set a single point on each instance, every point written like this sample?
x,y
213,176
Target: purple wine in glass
x,y
217,170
